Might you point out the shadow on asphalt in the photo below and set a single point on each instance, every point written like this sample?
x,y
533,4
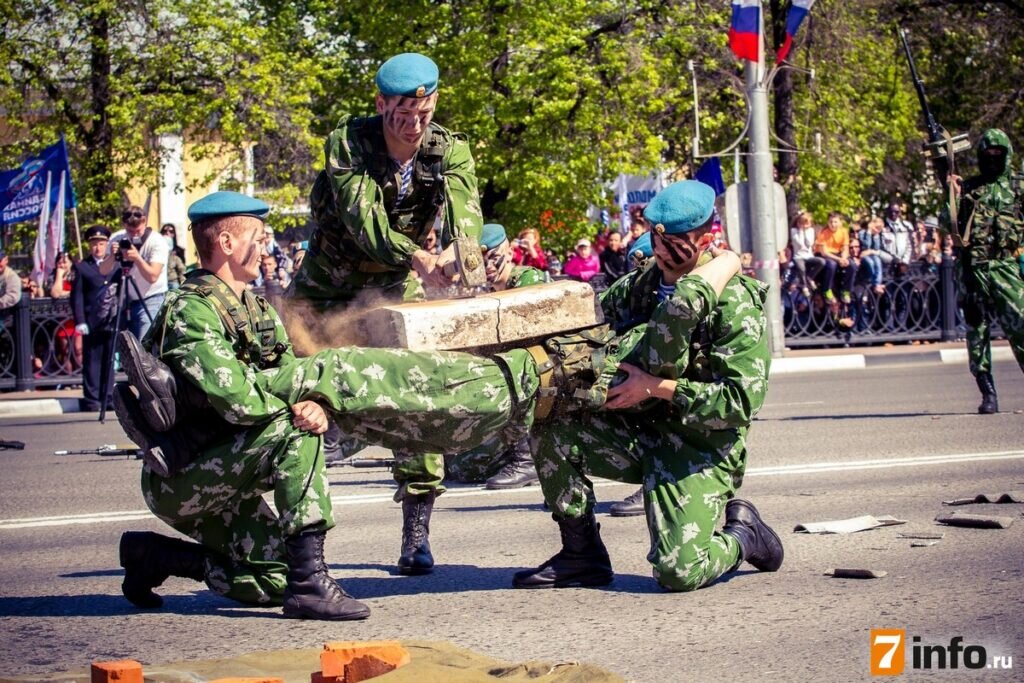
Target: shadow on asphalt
x,y
96,605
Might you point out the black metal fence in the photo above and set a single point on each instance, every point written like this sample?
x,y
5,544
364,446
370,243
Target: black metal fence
x,y
39,348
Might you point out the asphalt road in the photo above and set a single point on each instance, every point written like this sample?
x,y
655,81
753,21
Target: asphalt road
x,y
883,441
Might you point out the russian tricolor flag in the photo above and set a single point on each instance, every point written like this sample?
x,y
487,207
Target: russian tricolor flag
x,y
745,29
797,13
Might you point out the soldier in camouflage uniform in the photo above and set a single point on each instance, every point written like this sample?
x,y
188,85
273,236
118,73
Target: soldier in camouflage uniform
x,y
499,465
695,360
386,180
234,414
991,284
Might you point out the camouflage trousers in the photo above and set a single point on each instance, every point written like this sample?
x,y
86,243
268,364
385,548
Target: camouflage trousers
x,y
687,473
478,464
685,487
996,290
329,288
423,401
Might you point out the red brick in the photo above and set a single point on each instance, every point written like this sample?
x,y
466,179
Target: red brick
x,y
121,671
356,661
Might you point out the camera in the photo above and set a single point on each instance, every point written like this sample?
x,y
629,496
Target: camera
x,y
123,245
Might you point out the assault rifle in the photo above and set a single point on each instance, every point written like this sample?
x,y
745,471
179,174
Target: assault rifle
x,y
941,146
389,463
106,450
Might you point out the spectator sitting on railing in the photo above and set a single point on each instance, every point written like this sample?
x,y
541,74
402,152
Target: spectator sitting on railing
x,y
872,253
833,245
801,242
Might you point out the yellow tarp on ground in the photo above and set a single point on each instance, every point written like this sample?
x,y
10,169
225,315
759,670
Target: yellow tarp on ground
x,y
430,661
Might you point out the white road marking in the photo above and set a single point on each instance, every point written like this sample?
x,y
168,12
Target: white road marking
x,y
776,471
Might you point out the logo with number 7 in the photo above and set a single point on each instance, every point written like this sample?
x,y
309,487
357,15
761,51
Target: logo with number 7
x,y
887,651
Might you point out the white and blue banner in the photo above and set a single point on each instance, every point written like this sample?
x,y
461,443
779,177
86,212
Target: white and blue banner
x,y
25,192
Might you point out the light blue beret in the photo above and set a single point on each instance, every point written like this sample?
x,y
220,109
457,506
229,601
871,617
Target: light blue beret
x,y
222,204
681,207
493,235
410,74
641,244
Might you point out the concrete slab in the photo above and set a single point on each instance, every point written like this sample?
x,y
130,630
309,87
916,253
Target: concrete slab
x,y
960,355
496,319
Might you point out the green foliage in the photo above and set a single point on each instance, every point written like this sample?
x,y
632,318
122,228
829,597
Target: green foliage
x,y
557,98
224,74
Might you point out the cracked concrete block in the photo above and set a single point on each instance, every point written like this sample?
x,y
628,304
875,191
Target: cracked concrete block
x,y
495,319
422,326
545,310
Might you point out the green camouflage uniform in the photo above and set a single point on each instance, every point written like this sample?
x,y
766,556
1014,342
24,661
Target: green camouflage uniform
x,y
365,237
689,453
481,463
989,275
420,400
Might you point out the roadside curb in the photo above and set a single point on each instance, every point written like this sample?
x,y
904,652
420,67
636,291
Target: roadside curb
x,y
38,407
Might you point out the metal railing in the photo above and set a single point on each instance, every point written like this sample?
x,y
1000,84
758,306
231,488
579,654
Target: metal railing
x,y
38,343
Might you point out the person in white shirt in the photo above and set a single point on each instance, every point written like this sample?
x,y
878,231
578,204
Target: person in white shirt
x,y
801,241
898,237
145,255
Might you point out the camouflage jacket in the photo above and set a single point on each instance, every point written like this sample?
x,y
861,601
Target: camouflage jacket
x,y
233,367
721,369
993,208
354,199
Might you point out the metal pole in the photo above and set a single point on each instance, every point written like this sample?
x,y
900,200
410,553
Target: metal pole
x,y
761,197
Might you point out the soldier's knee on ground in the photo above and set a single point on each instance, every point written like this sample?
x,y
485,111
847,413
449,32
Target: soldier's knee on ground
x,y
676,580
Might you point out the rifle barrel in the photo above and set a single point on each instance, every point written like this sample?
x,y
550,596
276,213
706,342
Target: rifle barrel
x,y
934,130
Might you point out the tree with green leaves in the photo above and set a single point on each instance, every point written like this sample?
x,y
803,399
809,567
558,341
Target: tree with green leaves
x,y
114,75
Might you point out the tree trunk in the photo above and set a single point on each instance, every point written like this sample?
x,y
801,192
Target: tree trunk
x,y
100,187
785,130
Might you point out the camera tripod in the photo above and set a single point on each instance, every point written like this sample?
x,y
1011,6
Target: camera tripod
x,y
107,374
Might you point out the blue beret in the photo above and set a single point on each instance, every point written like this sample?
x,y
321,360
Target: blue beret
x,y
681,207
641,244
222,204
493,235
409,74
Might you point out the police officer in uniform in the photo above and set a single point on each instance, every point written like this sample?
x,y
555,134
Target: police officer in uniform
x,y
94,304
386,180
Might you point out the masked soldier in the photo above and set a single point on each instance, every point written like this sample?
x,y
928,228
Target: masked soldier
x,y
989,272
386,180
694,372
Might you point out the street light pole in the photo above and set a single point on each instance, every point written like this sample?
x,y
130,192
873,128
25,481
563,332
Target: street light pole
x,y
761,186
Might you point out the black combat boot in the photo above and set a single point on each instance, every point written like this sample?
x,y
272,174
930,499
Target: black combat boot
x,y
759,545
582,561
152,379
416,557
989,402
311,593
164,452
148,559
517,472
630,506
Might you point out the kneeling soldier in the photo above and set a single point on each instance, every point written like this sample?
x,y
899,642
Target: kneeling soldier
x,y
693,361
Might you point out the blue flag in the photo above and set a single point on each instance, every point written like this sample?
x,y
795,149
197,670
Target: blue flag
x,y
23,190
710,173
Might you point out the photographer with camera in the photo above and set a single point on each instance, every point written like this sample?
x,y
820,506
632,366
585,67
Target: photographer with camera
x,y
144,260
